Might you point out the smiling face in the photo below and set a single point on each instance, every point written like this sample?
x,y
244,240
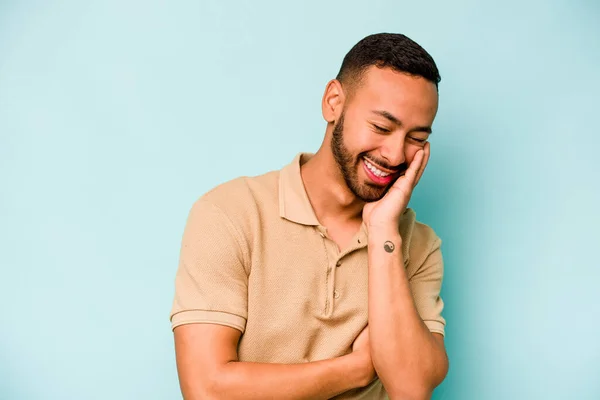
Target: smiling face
x,y
386,119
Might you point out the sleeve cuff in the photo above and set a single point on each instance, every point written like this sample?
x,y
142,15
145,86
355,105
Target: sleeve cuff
x,y
436,326
208,317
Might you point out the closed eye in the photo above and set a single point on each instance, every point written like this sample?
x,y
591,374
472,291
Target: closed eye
x,y
381,129
419,140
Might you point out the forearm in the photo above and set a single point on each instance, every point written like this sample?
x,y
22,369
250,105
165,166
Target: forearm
x,y
314,380
409,361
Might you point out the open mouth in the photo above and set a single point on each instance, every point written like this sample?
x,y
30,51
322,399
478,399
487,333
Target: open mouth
x,y
376,174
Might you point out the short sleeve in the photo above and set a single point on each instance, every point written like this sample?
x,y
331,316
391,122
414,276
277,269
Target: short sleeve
x,y
211,283
426,284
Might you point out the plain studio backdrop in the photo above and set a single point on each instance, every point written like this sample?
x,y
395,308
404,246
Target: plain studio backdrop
x,y
115,116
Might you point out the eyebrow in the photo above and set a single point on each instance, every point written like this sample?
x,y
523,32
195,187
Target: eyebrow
x,y
396,121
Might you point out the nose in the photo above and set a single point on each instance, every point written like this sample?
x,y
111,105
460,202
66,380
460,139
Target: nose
x,y
392,150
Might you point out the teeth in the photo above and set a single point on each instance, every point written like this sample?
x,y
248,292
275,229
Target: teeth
x,y
375,170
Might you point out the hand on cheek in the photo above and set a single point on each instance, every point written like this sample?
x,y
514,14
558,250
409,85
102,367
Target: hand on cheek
x,y
426,153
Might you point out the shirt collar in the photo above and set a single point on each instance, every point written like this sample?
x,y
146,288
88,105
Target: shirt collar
x,y
294,204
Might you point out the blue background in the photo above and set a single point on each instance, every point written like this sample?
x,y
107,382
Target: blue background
x,y
115,116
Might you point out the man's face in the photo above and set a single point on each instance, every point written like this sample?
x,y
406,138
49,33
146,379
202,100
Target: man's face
x,y
382,126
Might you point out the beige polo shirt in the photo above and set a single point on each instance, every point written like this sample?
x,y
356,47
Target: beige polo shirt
x,y
254,257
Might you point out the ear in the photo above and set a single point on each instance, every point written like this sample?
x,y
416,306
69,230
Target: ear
x,y
333,101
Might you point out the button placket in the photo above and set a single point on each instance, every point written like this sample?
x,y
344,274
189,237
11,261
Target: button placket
x,y
331,290
332,256
322,231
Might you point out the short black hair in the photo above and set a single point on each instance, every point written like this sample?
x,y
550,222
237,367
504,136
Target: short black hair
x,y
392,50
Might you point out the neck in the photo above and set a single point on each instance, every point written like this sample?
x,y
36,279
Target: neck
x,y
327,191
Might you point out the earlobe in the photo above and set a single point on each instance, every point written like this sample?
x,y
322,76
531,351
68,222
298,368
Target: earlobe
x,y
333,100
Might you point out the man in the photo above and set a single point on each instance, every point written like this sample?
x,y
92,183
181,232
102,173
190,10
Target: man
x,y
316,281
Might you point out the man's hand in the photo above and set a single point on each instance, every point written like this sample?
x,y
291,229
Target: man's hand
x,y
386,213
362,348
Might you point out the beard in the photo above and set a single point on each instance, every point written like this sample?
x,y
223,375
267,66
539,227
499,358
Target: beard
x,y
349,165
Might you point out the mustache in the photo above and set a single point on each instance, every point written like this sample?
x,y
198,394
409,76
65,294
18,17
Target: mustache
x,y
396,168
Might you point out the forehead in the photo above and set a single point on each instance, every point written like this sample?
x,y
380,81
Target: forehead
x,y
398,93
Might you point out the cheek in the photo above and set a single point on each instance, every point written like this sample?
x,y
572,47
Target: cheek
x,y
359,136
362,140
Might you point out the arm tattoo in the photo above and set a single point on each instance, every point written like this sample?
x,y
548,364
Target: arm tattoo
x,y
389,246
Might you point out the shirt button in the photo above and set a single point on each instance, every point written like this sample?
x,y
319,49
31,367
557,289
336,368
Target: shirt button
x,y
336,294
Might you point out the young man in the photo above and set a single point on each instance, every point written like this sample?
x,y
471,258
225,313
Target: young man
x,y
316,281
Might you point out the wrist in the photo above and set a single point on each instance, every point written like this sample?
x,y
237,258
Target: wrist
x,y
385,233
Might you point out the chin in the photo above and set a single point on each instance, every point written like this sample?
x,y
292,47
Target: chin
x,y
369,194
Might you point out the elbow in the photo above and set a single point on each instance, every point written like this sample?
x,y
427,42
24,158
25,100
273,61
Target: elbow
x,y
434,371
410,393
196,392
408,389
438,371
419,386
208,387
417,390
215,384
204,389
224,382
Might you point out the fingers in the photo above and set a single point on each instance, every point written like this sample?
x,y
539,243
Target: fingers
x,y
426,154
412,173
405,184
